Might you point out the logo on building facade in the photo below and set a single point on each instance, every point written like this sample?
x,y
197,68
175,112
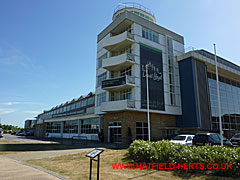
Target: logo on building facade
x,y
152,57
153,72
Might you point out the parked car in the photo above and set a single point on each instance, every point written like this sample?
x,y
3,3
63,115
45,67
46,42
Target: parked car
x,y
211,139
1,135
19,133
29,133
13,132
170,137
184,139
235,140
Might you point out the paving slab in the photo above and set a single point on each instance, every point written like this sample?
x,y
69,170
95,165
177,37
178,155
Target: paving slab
x,y
12,169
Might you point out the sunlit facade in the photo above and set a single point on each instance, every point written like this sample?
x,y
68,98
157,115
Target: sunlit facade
x,y
182,86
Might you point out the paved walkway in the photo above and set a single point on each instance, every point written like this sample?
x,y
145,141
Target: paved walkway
x,y
11,170
12,166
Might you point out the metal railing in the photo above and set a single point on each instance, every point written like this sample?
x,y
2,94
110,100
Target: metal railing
x,y
129,53
130,79
130,103
190,48
118,81
130,35
133,5
130,56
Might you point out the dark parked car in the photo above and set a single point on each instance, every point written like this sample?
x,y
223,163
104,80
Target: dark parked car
x,y
210,139
235,140
13,132
19,133
29,133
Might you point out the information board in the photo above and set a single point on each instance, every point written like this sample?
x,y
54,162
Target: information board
x,y
94,153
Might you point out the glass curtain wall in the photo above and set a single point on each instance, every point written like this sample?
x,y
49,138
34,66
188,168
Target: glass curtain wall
x,y
230,104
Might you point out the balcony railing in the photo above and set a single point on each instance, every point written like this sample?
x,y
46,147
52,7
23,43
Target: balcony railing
x,y
117,62
130,35
118,42
117,105
118,82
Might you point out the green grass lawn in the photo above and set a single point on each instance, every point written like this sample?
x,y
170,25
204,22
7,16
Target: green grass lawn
x,y
76,167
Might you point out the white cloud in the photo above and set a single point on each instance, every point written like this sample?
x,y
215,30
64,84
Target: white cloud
x,y
13,103
9,55
33,112
9,103
6,111
12,59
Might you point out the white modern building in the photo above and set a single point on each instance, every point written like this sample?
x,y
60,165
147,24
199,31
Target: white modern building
x,y
182,86
125,46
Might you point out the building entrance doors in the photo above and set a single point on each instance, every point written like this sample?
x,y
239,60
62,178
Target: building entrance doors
x,y
114,133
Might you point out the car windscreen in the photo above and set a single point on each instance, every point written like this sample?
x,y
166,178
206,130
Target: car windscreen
x,y
179,138
201,138
224,139
236,136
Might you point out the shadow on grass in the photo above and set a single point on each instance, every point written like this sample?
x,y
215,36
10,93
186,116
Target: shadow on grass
x,y
127,158
36,147
55,145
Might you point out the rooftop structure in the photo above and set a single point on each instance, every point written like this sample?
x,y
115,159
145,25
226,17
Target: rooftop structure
x,y
135,8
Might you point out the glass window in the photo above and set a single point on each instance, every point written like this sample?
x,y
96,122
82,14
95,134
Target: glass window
x,y
101,98
64,108
126,71
229,102
78,104
126,94
90,126
100,78
68,107
215,137
90,101
171,71
179,138
70,127
189,138
115,123
100,59
53,127
84,102
72,106
150,35
142,130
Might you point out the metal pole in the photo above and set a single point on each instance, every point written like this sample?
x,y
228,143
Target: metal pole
x,y
98,164
149,138
90,175
218,94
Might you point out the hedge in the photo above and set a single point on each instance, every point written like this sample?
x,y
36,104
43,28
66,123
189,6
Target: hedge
x,y
168,152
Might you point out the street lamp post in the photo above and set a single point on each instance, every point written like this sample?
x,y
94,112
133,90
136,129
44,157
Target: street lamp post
x,y
218,94
149,138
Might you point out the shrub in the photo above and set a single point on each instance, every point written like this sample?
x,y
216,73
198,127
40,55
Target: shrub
x,y
168,152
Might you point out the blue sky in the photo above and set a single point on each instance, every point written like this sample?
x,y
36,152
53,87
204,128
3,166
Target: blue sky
x,y
48,48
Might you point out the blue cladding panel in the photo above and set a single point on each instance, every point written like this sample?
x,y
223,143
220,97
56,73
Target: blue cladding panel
x,y
189,116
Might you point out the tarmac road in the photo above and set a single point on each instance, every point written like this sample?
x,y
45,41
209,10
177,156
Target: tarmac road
x,y
28,139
